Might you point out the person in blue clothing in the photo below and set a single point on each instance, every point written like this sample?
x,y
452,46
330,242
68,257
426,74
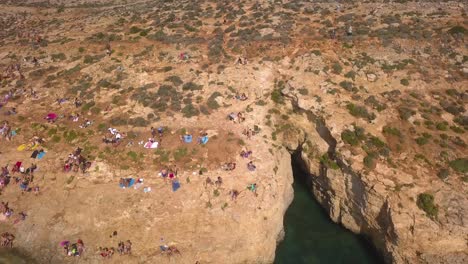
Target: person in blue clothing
x,y
187,138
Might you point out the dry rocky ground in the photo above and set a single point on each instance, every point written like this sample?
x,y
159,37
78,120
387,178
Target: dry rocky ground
x,y
379,117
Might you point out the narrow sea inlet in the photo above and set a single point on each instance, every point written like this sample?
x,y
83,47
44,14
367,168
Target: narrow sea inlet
x,y
312,238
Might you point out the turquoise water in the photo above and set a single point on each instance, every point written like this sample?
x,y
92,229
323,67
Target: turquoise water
x,y
312,238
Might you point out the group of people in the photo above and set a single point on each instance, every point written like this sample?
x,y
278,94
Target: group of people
x,y
25,177
11,71
248,132
76,162
169,172
228,166
7,240
6,130
75,249
5,209
217,183
236,118
123,248
114,138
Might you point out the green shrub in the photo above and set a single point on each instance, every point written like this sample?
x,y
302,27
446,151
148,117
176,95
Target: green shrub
x,y
303,91
138,122
442,126
405,112
211,102
69,136
404,82
175,80
87,106
425,202
353,137
457,30
190,110
180,153
422,141
134,30
190,86
316,52
58,57
443,173
360,111
56,139
370,160
132,155
337,69
329,163
351,75
277,97
459,165
392,131
348,86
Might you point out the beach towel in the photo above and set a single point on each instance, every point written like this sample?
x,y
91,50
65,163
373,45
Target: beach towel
x,y
175,185
34,154
41,155
132,181
35,146
51,116
187,138
22,147
64,243
151,145
204,139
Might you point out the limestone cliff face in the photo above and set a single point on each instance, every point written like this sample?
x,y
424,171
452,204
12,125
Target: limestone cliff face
x,y
365,204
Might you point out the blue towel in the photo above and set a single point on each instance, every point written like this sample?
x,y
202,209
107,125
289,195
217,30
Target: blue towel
x,y
41,155
132,181
188,138
175,186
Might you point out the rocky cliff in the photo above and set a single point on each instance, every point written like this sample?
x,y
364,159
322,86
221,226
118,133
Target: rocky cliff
x,y
368,203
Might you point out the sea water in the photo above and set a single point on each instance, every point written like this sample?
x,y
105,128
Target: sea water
x,y
311,237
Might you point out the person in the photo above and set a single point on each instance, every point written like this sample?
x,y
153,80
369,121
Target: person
x,y
240,117
160,132
128,247
349,31
21,217
234,194
153,132
77,102
219,182
36,190
251,166
121,248
108,49
104,252
164,173
253,188
187,138
80,247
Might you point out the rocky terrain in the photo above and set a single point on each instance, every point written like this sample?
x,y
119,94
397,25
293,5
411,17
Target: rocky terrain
x,y
370,96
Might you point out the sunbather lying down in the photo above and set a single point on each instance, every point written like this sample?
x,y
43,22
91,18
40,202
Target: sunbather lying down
x,y
229,166
126,182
